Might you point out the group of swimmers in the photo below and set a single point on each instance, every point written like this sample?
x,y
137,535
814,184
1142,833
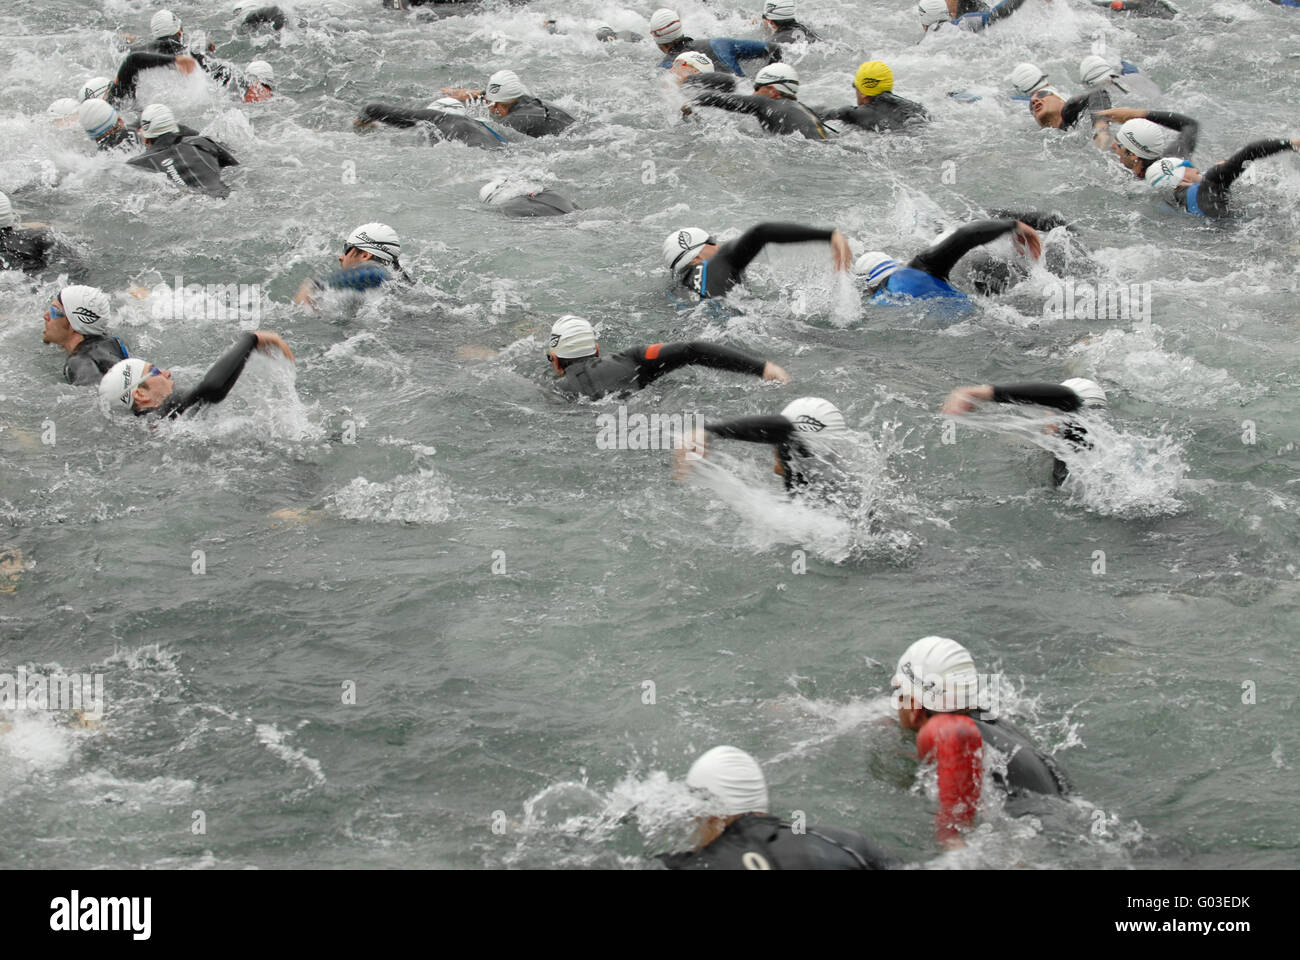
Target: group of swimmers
x,y
935,682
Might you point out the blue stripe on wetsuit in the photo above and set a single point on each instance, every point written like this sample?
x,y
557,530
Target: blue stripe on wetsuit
x,y
916,284
364,277
731,52
1189,199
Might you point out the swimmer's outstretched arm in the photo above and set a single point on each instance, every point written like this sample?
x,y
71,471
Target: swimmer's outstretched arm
x,y
128,71
224,374
742,250
965,399
653,361
939,260
1188,129
1222,174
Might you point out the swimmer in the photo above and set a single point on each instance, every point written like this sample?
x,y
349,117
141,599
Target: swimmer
x,y
725,52
936,693
140,388
517,198
1072,395
778,18
444,119
369,260
1157,9
971,15
709,269
96,88
159,131
77,322
739,833
694,69
1122,82
774,102
607,34
575,355
508,102
31,247
878,107
1206,192
104,125
1147,135
926,275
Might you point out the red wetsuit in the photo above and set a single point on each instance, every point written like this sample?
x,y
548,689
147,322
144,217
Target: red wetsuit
x,y
953,742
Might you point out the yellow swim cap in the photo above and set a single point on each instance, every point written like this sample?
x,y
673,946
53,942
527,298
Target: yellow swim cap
x,y
874,77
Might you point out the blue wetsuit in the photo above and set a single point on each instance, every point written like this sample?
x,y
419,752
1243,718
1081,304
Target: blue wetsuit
x,y
979,20
926,276
725,52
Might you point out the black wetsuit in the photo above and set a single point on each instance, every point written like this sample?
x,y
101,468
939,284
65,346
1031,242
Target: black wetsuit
x,y
1139,8
1075,107
806,472
637,368
1188,131
782,116
715,277
1029,770
128,73
27,248
117,138
216,383
712,81
1209,197
544,203
791,31
884,111
187,135
758,841
441,124
169,45
534,118
271,15
1056,397
93,358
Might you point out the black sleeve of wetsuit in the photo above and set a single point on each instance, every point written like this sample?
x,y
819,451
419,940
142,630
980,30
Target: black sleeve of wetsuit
x,y
124,83
1188,130
939,260
272,15
396,116
224,157
1221,175
1035,218
82,371
1004,10
652,362
775,430
735,102
1043,394
741,251
1094,100
223,375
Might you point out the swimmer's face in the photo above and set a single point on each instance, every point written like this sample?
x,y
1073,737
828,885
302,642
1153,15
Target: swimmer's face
x,y
768,91
56,327
683,70
910,716
352,257
1046,108
1130,160
777,467
771,27
500,109
153,390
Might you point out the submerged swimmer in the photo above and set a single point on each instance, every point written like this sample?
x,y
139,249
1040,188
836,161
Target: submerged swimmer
x,y
575,356
369,260
739,833
516,198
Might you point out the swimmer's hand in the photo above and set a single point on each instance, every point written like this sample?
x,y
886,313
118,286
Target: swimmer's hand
x,y
186,64
1119,114
304,295
461,93
1295,143
772,372
840,252
266,340
1025,240
965,399
693,448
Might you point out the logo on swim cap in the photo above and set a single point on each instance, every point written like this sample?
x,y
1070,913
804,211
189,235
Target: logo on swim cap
x,y
808,424
555,340
494,88
684,240
86,315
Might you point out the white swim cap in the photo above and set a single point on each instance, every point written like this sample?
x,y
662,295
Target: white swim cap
x,y
164,24
1027,77
939,674
733,777
503,86
875,266
63,107
95,88
778,10
780,76
572,337
1089,391
447,105
157,119
693,58
116,386
1143,137
815,419
933,11
680,247
260,71
7,216
86,308
1093,70
505,188
377,239
97,117
1167,173
665,25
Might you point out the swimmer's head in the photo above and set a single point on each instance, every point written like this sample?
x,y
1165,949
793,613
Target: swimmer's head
x,y
1028,77
1089,391
571,339
872,79
689,63
377,241
872,269
7,216
665,27
63,111
85,308
1094,71
164,23
98,118
937,675
778,11
95,88
134,386
1047,105
503,88
681,247
506,188
1167,173
777,80
260,71
933,12
1138,142
156,120
732,779
816,420
605,33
